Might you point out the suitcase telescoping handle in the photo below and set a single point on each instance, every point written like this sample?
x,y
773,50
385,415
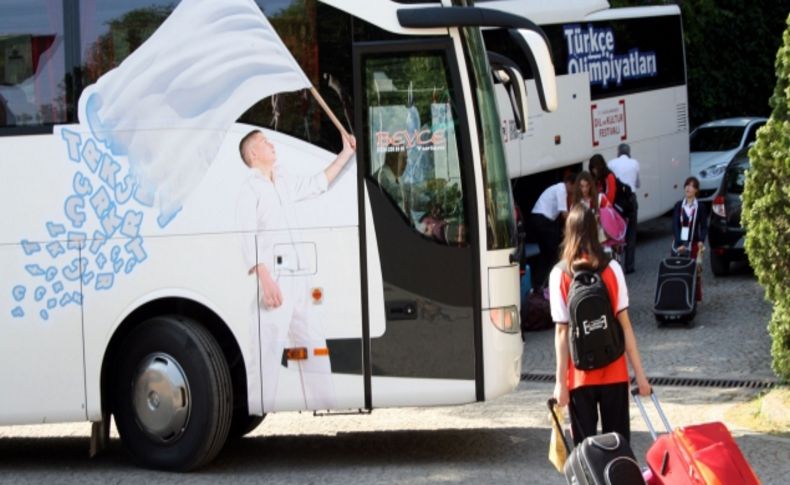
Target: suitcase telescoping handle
x,y
643,412
551,403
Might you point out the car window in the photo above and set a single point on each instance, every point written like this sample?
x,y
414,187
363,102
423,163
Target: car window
x,y
752,135
715,138
736,178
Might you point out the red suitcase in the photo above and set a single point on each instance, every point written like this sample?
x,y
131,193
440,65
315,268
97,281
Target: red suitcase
x,y
701,454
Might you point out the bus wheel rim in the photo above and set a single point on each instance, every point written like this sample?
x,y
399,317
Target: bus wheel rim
x,y
161,397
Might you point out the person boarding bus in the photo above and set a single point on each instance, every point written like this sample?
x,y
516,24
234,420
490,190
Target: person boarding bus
x,y
626,169
548,214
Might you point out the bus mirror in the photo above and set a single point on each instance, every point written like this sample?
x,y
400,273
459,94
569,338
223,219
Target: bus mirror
x,y
527,35
536,50
520,97
506,72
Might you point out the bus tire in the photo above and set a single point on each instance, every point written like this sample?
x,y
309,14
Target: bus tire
x,y
173,394
242,425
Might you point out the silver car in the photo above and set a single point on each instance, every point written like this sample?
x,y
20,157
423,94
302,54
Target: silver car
x,y
714,144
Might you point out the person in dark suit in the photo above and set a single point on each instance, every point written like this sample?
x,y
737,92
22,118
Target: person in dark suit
x,y
690,228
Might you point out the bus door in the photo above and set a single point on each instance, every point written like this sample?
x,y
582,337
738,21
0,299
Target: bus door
x,y
419,231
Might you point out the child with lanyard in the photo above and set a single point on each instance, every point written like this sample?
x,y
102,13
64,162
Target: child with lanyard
x,y
690,228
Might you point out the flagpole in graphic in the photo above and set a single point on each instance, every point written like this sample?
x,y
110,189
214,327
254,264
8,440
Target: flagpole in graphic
x,y
329,112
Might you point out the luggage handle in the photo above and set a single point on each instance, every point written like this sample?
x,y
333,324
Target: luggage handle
x,y
643,412
551,403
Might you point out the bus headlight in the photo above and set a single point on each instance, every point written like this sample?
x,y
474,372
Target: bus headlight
x,y
505,319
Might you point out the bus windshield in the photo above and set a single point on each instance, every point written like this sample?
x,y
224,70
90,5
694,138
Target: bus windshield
x,y
500,219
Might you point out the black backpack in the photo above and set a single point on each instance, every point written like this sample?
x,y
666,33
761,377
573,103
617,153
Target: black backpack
x,y
623,198
595,337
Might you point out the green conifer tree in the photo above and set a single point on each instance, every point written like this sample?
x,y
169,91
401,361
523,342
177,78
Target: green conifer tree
x,y
766,210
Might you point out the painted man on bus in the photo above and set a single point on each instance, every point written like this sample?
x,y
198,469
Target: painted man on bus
x,y
287,331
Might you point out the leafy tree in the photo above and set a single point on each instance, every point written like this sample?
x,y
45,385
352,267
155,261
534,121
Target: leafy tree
x,y
729,49
766,210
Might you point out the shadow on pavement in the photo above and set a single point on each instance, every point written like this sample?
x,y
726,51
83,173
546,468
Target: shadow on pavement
x,y
406,456
483,455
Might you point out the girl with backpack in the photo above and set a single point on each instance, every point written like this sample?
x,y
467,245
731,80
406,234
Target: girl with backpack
x,y
590,391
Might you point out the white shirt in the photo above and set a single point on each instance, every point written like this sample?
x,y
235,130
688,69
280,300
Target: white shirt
x,y
552,201
602,200
690,208
559,307
265,205
626,169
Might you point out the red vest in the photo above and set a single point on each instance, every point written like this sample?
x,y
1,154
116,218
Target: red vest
x,y
613,373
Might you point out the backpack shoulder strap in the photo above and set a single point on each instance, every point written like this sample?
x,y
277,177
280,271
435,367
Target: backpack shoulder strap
x,y
604,264
563,266
624,188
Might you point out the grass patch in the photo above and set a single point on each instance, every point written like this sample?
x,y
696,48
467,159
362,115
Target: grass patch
x,y
767,413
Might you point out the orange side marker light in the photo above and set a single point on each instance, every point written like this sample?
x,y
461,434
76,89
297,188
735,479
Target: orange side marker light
x,y
321,352
296,353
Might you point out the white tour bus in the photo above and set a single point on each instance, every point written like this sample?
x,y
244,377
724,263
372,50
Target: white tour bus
x,y
621,78
134,233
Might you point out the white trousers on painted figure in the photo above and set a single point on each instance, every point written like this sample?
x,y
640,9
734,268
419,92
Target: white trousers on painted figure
x,y
291,326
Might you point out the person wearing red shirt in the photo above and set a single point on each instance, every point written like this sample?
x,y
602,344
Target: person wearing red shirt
x,y
586,193
605,179
603,390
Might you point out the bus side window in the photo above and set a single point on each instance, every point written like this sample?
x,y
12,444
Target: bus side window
x,y
321,45
389,177
32,63
297,114
111,30
411,145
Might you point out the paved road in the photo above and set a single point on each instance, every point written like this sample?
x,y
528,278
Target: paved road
x,y
503,441
728,338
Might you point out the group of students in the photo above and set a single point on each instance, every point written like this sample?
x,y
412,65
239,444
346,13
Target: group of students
x,y
595,189
604,391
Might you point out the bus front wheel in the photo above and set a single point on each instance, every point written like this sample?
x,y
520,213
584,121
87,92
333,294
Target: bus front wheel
x,y
173,394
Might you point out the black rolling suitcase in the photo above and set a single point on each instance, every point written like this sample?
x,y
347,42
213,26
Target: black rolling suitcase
x,y
675,290
605,459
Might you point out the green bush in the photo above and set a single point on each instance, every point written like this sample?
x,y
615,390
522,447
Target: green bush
x,y
766,210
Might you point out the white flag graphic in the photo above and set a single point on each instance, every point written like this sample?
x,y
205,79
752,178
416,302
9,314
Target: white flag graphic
x,y
168,105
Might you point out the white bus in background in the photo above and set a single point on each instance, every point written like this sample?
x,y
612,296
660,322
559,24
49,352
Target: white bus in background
x,y
621,78
126,289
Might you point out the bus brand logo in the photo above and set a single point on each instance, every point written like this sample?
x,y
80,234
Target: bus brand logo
x,y
400,140
592,50
104,211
